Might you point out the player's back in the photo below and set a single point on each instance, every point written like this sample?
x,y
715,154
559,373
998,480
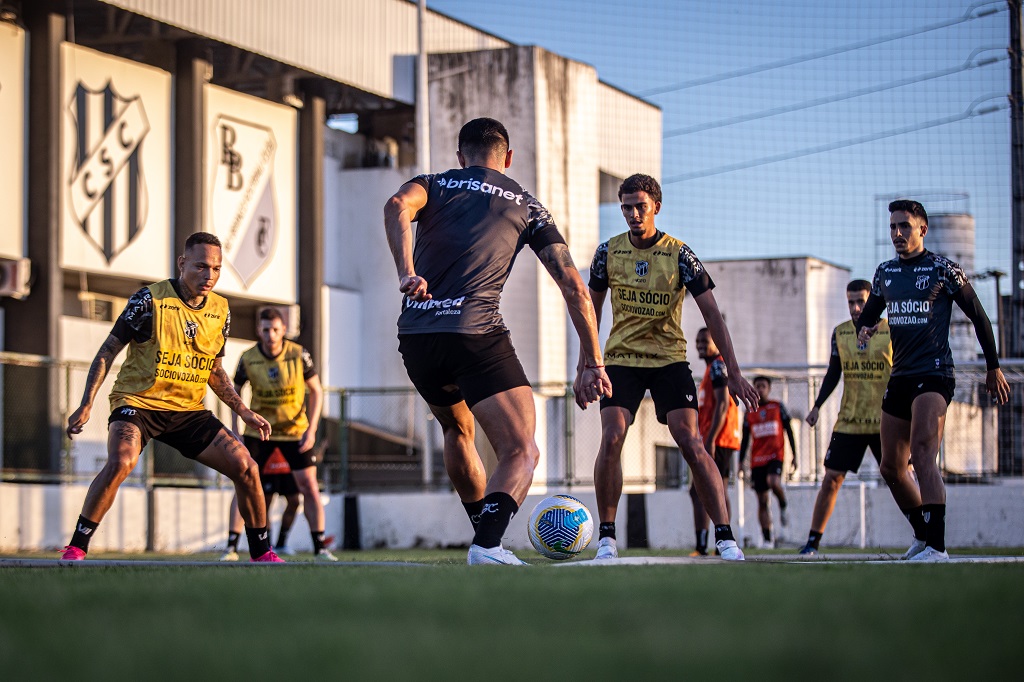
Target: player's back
x,y
475,222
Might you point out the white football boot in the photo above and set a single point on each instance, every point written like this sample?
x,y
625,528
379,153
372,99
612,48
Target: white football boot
x,y
916,548
324,555
495,555
930,554
607,549
230,555
729,550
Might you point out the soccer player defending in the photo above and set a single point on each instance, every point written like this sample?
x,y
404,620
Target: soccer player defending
x,y
175,331
865,371
649,273
762,429
718,416
473,221
918,289
286,391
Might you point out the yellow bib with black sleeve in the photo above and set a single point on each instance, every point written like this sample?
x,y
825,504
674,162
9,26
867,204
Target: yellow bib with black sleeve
x,y
278,390
646,298
171,369
865,376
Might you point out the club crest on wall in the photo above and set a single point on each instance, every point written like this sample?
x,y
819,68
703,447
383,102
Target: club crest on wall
x,y
243,208
107,186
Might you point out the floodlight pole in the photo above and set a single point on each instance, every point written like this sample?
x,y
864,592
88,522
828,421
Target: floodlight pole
x,y
1015,338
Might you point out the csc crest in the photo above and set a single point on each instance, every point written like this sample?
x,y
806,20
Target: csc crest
x,y
922,282
106,187
641,268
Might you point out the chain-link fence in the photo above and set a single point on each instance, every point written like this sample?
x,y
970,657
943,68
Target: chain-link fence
x,y
386,438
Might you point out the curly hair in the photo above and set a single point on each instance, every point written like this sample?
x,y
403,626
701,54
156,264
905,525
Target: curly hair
x,y
638,182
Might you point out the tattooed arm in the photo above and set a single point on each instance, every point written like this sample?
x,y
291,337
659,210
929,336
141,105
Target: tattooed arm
x,y
591,380
98,371
222,387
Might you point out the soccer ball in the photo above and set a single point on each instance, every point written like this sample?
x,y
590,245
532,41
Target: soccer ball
x,y
560,527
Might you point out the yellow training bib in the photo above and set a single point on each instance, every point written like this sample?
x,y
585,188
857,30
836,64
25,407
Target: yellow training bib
x,y
865,376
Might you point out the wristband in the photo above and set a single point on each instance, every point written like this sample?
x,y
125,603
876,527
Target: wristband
x,y
593,366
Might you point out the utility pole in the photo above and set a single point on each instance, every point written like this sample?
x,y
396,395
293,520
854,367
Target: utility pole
x,y
1011,416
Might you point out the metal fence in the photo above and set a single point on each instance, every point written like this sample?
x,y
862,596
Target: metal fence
x,y
386,438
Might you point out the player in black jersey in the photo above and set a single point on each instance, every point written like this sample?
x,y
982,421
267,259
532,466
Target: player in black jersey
x,y
472,222
917,289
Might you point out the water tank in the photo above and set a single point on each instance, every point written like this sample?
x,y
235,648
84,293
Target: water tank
x,y
952,235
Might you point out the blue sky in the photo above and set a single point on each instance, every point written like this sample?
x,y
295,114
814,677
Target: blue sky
x,y
824,204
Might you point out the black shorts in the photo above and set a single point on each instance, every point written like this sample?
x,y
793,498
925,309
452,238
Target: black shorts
x,y
263,450
187,432
759,475
447,368
901,392
279,484
671,387
846,450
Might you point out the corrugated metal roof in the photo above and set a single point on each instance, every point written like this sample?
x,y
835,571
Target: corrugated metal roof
x,y
350,41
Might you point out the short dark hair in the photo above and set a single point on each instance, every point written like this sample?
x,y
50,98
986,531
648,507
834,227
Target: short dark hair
x,y
202,238
859,285
761,377
703,330
910,206
483,137
638,182
270,313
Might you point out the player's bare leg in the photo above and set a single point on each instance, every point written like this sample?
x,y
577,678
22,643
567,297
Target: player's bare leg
x,y
608,466
895,471
707,480
509,422
700,522
461,459
825,502
928,420
235,529
682,424
229,457
305,481
775,485
124,445
764,514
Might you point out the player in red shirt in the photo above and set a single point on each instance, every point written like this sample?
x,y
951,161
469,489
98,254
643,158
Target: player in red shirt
x,y
718,417
763,428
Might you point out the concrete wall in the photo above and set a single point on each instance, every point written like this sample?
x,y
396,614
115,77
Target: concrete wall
x,y
41,517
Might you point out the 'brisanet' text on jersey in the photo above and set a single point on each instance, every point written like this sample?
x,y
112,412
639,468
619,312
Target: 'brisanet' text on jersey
x,y
918,294
475,222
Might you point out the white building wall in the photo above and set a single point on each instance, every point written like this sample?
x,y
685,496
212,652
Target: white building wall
x,y
630,140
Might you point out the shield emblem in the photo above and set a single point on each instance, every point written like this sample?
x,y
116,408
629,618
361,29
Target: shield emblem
x,y
273,373
641,268
190,329
243,209
107,188
922,282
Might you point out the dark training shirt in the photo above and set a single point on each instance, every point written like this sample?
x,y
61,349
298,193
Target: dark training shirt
x,y
475,222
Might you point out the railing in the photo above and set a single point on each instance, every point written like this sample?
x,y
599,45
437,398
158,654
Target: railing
x,y
386,438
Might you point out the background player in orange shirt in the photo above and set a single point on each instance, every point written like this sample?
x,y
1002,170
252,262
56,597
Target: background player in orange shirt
x,y
718,417
763,428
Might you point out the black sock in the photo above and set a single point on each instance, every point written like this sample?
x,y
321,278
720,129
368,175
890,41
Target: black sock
x,y
233,541
702,541
935,526
318,540
766,533
813,539
282,537
84,530
606,530
259,541
498,510
473,510
916,518
723,532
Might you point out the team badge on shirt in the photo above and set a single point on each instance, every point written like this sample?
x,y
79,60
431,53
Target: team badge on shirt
x,y
273,373
642,267
190,329
922,282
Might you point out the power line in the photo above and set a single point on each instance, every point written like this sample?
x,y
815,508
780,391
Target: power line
x,y
975,109
789,108
970,14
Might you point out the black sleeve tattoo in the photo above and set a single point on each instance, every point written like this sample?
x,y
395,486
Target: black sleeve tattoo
x,y
100,367
558,261
221,385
